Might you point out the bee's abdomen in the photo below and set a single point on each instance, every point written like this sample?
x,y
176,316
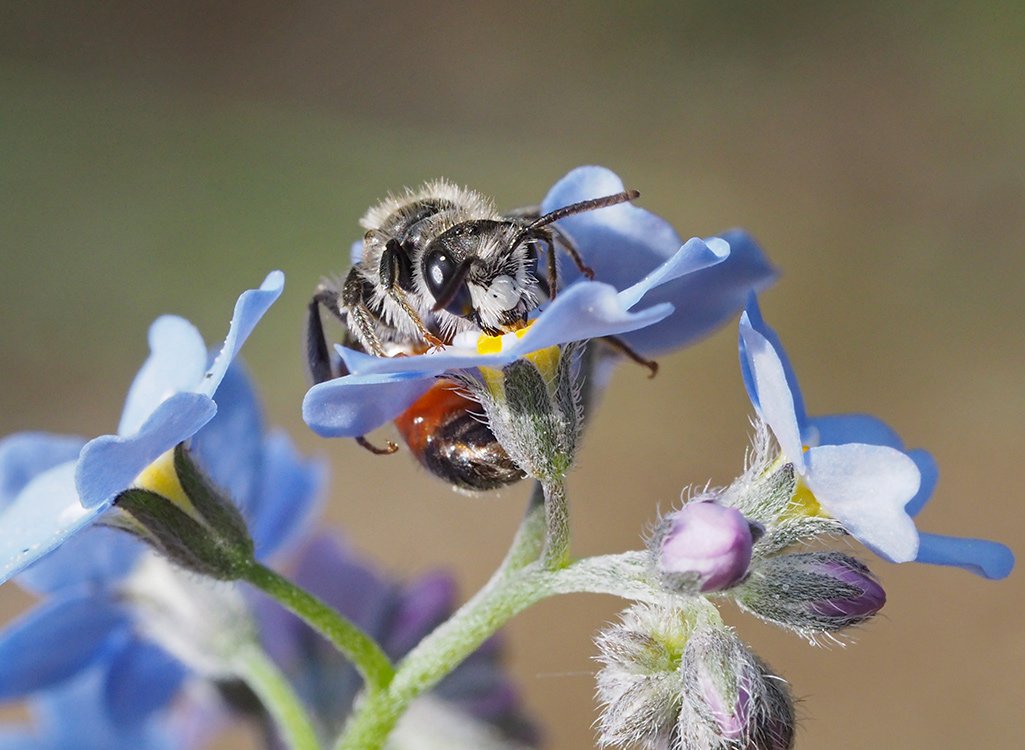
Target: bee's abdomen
x,y
442,431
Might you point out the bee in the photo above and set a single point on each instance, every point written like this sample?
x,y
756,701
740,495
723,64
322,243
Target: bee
x,y
436,262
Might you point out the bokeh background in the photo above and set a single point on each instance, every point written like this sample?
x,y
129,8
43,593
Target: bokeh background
x,y
161,158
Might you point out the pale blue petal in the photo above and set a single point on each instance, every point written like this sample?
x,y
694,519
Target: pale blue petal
x,y
930,476
979,556
356,252
43,516
96,557
619,242
251,306
288,496
865,488
694,255
836,429
27,454
705,299
229,447
109,464
770,391
23,739
356,404
141,678
75,716
54,641
176,363
753,316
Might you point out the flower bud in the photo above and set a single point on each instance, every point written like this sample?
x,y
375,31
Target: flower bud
x,y
702,547
730,699
640,685
812,591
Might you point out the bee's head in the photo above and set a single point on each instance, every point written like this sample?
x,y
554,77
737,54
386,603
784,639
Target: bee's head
x,y
484,271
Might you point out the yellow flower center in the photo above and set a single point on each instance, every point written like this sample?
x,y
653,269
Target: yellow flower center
x,y
546,360
161,478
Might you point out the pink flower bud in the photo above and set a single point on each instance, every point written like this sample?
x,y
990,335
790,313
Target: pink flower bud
x,y
703,547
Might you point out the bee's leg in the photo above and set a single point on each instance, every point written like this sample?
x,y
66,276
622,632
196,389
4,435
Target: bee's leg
x,y
359,319
318,359
390,446
623,348
397,275
571,249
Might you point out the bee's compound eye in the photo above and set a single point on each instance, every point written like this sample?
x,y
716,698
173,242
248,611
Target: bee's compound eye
x,y
503,292
438,269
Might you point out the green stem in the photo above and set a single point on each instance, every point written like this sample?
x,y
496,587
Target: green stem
x,y
530,536
556,549
364,652
507,594
276,695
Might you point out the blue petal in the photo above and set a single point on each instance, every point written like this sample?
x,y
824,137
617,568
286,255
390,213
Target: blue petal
x,y
251,306
755,321
706,299
109,464
229,446
356,252
837,429
356,404
23,739
930,475
979,556
694,255
44,515
176,363
865,488
621,243
28,454
96,556
75,716
54,641
142,678
770,391
289,493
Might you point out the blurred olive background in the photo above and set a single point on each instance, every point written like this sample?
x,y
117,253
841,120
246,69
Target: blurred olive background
x,y
161,158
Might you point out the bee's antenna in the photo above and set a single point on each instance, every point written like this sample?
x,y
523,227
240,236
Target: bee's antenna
x,y
581,207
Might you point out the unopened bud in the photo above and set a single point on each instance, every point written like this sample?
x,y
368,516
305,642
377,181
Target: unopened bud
x,y
812,591
730,699
640,685
702,547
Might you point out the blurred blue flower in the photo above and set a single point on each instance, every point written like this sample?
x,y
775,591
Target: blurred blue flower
x,y
397,616
74,715
47,496
86,616
704,281
854,465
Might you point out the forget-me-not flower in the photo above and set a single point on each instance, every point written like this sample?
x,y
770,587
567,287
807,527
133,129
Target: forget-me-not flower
x,y
855,466
52,487
90,614
636,255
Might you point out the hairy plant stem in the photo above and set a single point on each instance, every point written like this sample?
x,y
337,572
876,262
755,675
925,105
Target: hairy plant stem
x,y
364,652
556,549
275,693
517,584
